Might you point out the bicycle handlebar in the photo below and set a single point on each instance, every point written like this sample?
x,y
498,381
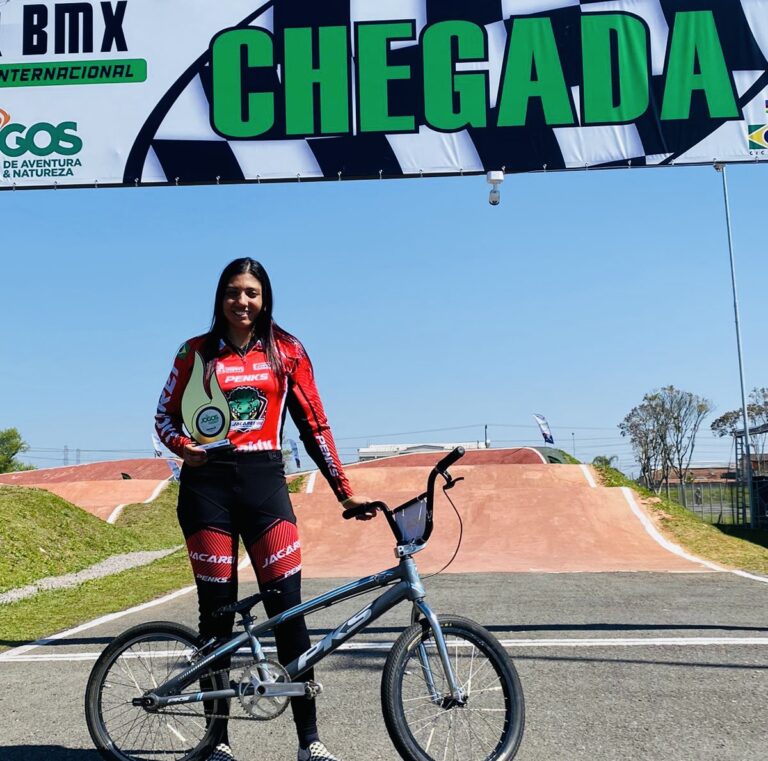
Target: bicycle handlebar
x,y
449,459
441,468
353,512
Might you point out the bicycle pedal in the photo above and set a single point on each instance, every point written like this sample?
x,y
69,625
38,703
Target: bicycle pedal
x,y
313,689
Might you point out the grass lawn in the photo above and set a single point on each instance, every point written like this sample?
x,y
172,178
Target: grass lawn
x,y
43,535
61,609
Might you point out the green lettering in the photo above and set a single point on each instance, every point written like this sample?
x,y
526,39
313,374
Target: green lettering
x,y
331,77
453,101
696,62
374,75
628,78
533,70
69,142
236,111
19,146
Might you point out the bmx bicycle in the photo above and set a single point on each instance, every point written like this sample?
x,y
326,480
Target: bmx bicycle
x,y
448,690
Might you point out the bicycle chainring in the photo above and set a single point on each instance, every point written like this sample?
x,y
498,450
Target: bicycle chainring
x,y
258,706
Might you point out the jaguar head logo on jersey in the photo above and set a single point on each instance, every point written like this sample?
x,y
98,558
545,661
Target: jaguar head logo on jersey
x,y
205,412
249,407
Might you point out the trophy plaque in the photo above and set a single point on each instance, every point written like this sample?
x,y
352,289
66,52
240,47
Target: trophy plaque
x,y
206,413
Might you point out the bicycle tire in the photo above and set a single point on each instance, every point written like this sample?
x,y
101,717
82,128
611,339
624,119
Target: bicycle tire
x,y
126,669
488,728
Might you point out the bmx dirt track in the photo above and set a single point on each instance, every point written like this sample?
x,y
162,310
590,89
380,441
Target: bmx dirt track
x,y
518,513
516,518
98,487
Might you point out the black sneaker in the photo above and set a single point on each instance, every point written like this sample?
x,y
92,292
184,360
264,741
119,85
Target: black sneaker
x,y
222,752
316,752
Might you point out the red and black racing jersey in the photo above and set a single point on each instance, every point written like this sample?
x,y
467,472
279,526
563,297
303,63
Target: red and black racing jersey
x,y
258,401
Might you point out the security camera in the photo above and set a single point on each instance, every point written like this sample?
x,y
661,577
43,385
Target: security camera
x,y
494,180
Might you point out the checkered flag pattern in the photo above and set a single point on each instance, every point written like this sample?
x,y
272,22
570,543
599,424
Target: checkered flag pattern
x,y
222,752
178,144
316,752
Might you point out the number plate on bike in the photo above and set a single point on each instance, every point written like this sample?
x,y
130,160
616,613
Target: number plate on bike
x,y
411,520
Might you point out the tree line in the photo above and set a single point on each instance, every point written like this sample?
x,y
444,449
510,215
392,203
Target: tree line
x,y
662,431
11,446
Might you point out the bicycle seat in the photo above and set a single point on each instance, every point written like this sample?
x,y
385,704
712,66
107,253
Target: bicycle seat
x,y
245,604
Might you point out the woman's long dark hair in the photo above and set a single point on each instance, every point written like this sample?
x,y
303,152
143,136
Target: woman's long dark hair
x,y
264,327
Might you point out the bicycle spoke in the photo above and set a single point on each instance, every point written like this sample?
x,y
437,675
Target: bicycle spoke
x,y
473,735
467,687
479,671
425,721
475,693
127,671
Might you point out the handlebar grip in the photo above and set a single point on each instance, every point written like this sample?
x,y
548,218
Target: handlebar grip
x,y
353,512
449,459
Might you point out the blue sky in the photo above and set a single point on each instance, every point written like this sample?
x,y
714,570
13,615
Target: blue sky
x,y
421,306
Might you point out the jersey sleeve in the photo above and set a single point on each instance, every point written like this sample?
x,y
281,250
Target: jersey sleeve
x,y
168,422
309,416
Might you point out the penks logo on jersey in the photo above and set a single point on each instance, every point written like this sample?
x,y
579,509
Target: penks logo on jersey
x,y
342,89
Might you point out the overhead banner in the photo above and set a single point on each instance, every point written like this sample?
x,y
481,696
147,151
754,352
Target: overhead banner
x,y
140,92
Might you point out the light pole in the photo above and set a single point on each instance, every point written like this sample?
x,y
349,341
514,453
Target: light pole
x,y
747,451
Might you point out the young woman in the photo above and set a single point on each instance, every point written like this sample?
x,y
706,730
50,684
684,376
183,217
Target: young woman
x,y
262,371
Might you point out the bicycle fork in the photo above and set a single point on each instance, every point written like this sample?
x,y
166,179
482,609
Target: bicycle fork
x,y
420,607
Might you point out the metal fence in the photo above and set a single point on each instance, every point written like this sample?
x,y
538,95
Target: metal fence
x,y
716,502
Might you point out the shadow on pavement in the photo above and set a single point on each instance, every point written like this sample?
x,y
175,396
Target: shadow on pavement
x,y
57,642
47,753
495,628
642,662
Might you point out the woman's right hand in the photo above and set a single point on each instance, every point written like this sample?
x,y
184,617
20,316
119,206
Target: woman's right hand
x,y
194,456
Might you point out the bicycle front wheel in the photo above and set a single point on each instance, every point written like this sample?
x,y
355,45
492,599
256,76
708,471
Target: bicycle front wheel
x,y
425,723
137,661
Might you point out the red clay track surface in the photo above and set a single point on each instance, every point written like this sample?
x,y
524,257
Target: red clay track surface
x,y
517,518
515,456
153,469
519,515
97,487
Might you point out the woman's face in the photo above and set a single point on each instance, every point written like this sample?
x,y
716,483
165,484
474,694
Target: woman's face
x,y
243,300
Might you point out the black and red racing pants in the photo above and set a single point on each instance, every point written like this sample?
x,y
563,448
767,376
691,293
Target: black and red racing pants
x,y
244,495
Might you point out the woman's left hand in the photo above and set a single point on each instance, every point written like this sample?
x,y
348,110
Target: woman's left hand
x,y
356,501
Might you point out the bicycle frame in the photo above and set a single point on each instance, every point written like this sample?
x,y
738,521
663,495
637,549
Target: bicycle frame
x,y
408,587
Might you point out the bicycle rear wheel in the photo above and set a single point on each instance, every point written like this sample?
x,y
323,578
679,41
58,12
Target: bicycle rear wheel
x,y
423,721
137,661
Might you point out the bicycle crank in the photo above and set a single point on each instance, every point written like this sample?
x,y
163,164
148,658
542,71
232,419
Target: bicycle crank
x,y
265,689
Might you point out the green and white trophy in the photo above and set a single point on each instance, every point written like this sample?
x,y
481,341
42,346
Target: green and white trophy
x,y
206,414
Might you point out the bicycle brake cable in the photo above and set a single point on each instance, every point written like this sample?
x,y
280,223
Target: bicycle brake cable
x,y
458,545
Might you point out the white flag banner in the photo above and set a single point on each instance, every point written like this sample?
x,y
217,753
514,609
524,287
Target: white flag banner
x,y
175,469
544,428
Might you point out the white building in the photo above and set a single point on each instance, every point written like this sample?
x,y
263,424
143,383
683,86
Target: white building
x,y
378,451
